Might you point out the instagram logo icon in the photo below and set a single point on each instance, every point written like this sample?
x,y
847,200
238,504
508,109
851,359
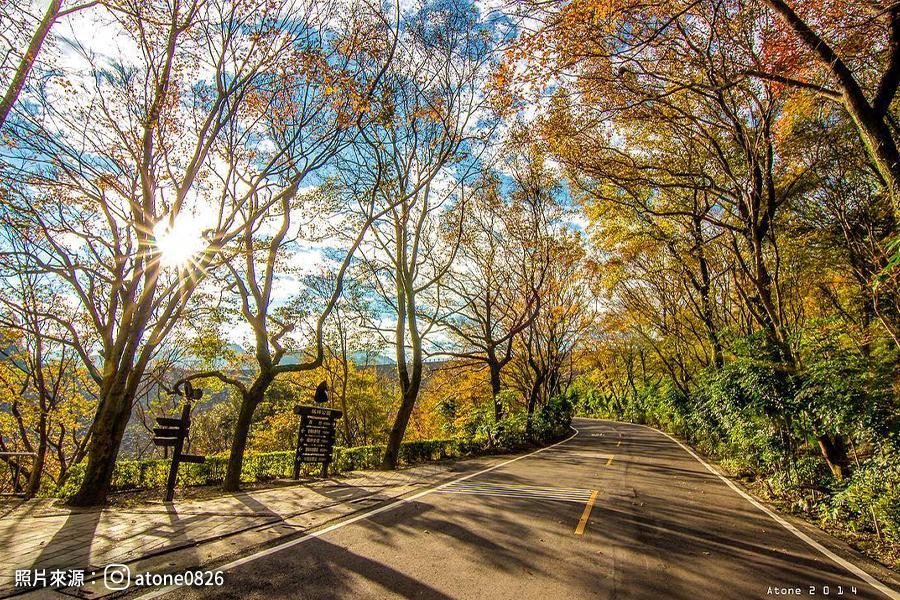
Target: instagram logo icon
x,y
116,577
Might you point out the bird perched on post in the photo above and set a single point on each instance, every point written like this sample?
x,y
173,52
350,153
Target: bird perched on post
x,y
321,396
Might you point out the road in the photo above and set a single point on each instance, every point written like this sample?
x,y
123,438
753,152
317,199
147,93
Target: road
x,y
661,526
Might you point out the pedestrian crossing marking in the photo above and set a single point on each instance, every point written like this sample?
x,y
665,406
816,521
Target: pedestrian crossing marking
x,y
577,495
605,455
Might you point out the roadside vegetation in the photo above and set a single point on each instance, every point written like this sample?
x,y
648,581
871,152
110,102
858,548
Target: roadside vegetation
x,y
476,437
679,213
745,227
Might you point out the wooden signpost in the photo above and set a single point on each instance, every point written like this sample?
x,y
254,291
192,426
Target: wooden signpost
x,y
172,433
315,440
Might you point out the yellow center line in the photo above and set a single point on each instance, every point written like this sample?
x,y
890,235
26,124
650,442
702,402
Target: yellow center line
x,y
582,523
609,462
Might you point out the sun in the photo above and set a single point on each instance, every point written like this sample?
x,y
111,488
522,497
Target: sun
x,y
180,242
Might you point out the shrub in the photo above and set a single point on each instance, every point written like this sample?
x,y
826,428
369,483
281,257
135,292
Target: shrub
x,y
358,458
872,492
480,433
554,419
261,466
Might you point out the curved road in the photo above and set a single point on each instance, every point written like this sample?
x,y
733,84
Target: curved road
x,y
661,526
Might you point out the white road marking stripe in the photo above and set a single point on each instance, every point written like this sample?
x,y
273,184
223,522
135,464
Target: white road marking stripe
x,y
505,491
580,500
594,455
512,492
518,485
523,488
526,488
858,571
389,507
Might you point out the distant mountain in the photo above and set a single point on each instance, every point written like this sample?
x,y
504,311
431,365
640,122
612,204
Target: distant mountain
x,y
360,358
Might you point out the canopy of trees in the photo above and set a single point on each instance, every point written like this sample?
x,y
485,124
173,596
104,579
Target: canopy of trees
x,y
682,213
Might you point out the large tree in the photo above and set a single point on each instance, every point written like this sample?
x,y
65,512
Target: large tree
x,y
331,74
418,162
494,290
849,55
119,196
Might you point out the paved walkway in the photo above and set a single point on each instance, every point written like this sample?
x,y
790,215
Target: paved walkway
x,y
38,535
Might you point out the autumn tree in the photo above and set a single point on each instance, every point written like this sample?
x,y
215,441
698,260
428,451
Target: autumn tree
x,y
121,199
44,386
546,353
494,289
330,76
847,53
712,160
419,162
348,345
846,224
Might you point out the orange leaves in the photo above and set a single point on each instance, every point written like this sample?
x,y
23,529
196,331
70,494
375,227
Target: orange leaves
x,y
500,89
856,31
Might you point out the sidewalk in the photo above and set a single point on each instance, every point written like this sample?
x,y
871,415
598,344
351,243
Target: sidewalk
x,y
37,535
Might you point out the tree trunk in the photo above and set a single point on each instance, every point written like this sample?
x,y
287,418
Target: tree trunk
x,y
531,403
27,61
869,120
398,430
529,414
495,391
867,316
109,427
348,433
706,305
409,382
879,145
37,468
835,454
249,401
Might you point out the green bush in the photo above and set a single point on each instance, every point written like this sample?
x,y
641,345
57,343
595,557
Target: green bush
x,y
357,459
428,450
872,492
480,434
554,419
152,473
511,433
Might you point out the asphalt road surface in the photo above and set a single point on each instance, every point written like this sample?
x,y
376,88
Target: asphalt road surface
x,y
617,511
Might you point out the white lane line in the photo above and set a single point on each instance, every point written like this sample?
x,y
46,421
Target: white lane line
x,y
389,507
571,496
593,455
579,500
859,572
518,488
522,490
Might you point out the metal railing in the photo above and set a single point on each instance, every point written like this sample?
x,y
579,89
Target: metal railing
x,y
12,479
